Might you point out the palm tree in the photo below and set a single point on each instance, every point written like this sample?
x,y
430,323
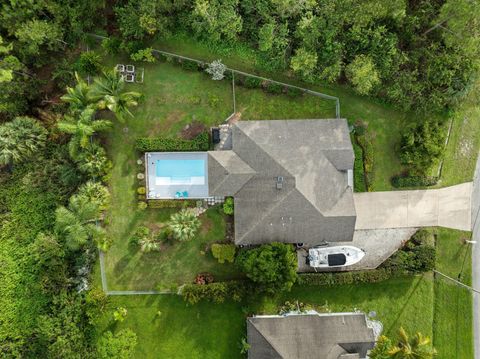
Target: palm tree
x,y
77,96
108,91
77,223
417,347
82,129
184,225
20,139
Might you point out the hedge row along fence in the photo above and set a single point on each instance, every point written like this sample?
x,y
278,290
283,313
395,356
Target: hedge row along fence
x,y
166,144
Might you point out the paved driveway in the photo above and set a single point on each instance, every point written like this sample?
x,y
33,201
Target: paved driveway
x,y
446,207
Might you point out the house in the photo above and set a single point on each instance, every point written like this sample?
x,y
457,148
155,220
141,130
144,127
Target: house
x,y
312,335
291,180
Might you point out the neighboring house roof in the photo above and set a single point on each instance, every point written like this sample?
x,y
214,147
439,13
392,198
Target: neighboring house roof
x,y
327,336
315,203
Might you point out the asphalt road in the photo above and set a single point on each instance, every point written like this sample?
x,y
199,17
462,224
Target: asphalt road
x,y
476,258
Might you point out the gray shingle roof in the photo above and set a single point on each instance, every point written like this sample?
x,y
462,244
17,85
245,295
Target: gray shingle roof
x,y
328,336
315,202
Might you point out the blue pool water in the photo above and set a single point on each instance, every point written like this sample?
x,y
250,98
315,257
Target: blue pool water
x,y
180,168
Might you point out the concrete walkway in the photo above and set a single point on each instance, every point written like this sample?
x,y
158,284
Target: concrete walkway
x,y
446,207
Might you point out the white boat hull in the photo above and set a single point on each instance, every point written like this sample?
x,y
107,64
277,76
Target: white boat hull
x,y
334,257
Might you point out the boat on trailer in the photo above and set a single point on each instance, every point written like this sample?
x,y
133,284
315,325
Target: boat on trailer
x,y
331,257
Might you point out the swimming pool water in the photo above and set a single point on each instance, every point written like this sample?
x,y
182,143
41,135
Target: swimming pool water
x,y
180,168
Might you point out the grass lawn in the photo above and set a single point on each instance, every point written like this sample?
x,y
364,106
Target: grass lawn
x,y
420,303
453,322
462,149
214,330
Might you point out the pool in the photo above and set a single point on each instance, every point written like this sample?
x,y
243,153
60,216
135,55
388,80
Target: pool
x,y
180,169
177,174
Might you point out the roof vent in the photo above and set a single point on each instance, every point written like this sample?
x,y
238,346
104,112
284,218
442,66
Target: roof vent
x,y
279,183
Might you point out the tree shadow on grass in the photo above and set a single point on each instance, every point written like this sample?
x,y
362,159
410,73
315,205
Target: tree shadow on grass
x,y
405,304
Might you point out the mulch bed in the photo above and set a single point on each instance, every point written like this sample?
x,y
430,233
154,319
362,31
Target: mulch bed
x,y
192,130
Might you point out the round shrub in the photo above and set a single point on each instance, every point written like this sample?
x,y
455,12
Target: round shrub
x,y
141,190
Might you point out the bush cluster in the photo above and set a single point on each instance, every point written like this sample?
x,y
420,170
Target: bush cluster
x,y
228,206
216,292
224,252
404,180
163,144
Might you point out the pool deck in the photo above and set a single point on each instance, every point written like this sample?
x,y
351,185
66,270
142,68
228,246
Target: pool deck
x,y
159,188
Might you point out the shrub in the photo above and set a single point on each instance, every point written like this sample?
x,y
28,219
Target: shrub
x,y
190,65
141,190
424,236
203,278
120,314
184,225
273,88
422,144
216,69
216,292
142,205
89,63
149,244
404,180
223,252
228,206
252,82
111,45
162,144
140,234
272,266
171,203
143,55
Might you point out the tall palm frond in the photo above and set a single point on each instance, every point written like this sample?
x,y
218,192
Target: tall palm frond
x,y
108,91
417,347
78,96
184,225
20,139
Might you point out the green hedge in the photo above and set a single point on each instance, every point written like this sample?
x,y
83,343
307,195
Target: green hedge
x,y
339,278
400,181
365,142
216,292
163,144
358,173
171,203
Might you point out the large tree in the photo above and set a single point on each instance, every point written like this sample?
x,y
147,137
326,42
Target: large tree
x,y
109,92
272,266
78,223
20,139
82,128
